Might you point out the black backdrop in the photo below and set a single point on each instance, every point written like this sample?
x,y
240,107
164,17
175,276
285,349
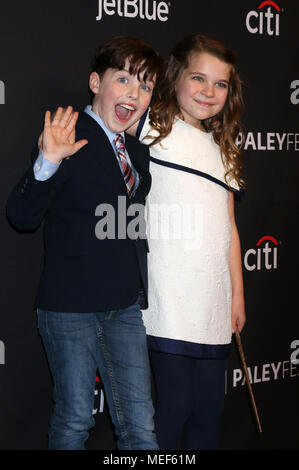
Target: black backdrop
x,y
45,53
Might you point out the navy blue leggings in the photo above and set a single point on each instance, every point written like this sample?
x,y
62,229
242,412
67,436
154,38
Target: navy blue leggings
x,y
189,400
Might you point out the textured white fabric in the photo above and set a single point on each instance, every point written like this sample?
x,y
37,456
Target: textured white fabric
x,y
189,279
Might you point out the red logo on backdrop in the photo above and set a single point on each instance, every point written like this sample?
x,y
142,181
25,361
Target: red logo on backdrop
x,y
99,397
265,20
269,2
264,256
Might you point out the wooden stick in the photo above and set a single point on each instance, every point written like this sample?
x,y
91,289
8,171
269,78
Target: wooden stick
x,y
240,348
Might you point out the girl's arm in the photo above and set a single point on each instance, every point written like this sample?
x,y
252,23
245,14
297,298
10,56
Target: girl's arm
x,y
238,303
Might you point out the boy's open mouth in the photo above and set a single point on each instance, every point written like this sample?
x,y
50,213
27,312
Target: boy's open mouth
x,y
124,111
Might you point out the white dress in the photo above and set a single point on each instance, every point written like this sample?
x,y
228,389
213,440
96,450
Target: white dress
x,y
189,234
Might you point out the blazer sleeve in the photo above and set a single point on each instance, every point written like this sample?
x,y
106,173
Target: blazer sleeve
x,y
140,159
30,199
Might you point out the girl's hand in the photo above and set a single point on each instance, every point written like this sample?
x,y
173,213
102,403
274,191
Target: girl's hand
x,y
57,140
238,312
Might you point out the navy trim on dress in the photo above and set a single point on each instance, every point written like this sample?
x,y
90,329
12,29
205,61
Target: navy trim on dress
x,y
186,348
187,169
141,124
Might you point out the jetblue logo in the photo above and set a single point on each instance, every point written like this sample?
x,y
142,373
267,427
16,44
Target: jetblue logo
x,y
152,10
2,92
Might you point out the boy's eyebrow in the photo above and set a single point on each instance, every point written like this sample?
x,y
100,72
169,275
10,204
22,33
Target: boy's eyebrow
x,y
122,70
128,71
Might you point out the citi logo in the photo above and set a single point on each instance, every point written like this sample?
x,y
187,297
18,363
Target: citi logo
x,y
2,92
264,256
295,93
265,20
152,10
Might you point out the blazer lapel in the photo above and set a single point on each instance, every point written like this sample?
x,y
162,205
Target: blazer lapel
x,y
100,148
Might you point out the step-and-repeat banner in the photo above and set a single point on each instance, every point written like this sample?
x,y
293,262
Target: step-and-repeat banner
x,y
45,53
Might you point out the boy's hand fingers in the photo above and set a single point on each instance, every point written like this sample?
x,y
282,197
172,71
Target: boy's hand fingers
x,y
47,120
74,148
72,122
72,136
58,140
78,145
66,116
57,116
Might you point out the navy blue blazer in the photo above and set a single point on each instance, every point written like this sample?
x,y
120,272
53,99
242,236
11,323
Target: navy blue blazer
x,y
82,273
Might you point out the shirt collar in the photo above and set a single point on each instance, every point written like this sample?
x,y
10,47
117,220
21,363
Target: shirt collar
x,y
111,135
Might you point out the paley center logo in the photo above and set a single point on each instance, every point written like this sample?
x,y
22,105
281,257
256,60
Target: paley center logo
x,y
152,10
2,92
277,141
264,256
267,372
264,20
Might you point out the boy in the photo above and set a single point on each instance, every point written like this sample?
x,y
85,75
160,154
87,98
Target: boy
x,y
88,300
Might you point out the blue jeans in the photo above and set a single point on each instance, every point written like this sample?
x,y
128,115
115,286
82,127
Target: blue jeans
x,y
114,342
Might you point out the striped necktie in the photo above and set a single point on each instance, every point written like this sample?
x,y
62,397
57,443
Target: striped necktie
x,y
127,168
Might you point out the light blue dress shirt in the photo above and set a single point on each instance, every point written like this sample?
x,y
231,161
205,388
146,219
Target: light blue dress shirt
x,y
44,169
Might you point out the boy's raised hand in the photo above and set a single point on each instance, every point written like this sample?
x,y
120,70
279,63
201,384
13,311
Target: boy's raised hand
x,y
58,138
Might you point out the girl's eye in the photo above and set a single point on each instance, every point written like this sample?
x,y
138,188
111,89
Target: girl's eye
x,y
197,78
145,87
123,80
221,85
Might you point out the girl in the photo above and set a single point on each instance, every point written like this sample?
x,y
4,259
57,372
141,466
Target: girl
x,y
195,273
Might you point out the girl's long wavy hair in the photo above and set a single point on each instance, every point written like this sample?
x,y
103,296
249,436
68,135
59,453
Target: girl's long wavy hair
x,y
226,125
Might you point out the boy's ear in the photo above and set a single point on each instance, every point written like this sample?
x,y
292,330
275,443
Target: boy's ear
x,y
94,82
